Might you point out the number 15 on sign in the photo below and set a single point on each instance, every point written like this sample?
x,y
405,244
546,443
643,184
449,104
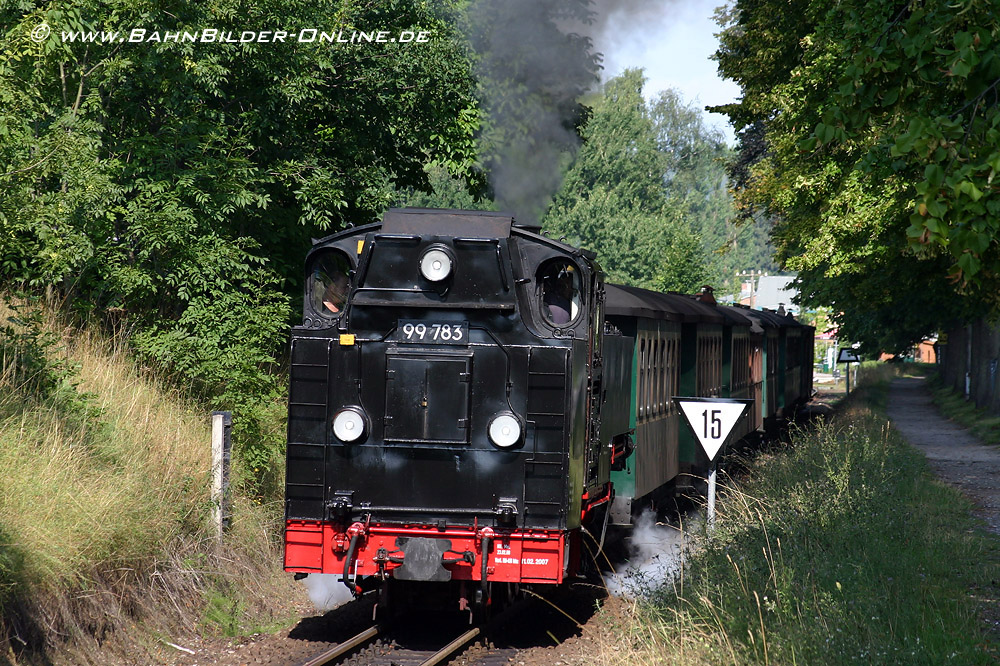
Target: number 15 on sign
x,y
713,431
712,419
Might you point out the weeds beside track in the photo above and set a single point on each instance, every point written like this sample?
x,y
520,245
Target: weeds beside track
x,y
840,549
104,502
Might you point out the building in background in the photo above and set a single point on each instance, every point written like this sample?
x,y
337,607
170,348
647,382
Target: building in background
x,y
768,292
774,292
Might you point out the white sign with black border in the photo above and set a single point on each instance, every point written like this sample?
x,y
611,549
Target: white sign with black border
x,y
848,355
712,419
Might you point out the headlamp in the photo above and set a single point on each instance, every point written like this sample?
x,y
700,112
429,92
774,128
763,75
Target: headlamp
x,y
505,430
436,264
349,424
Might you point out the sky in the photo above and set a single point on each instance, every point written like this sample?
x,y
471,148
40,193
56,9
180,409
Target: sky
x,y
673,45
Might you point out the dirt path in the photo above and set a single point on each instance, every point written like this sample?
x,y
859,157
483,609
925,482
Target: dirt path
x,y
956,456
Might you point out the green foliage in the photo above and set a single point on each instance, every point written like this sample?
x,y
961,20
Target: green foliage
x,y
613,199
683,266
177,184
695,159
446,191
841,550
648,192
871,135
819,318
223,614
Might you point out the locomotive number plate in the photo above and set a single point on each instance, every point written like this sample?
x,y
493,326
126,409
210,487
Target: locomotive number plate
x,y
432,331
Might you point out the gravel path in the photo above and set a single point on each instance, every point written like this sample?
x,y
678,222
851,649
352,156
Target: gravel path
x,y
956,456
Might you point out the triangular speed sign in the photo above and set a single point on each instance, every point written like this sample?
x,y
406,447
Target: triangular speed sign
x,y
848,355
712,419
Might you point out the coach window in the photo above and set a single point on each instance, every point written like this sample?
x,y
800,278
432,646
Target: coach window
x,y
559,281
329,283
641,392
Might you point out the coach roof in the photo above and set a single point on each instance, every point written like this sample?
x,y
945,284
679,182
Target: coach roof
x,y
637,302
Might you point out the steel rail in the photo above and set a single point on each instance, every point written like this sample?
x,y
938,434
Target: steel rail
x,y
342,648
448,649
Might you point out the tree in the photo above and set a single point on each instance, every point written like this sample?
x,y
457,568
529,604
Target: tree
x,y
870,133
683,267
177,183
613,200
695,157
446,191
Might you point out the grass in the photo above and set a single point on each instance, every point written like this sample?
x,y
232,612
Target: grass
x,y
980,421
104,499
105,481
841,549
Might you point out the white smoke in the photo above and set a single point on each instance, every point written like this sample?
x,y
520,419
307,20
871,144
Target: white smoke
x,y
656,553
326,591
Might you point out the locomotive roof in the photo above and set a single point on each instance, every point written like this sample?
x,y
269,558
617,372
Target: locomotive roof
x,y
637,302
457,223
468,224
447,222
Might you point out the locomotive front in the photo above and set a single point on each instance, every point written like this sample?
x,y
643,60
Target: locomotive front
x,y
444,406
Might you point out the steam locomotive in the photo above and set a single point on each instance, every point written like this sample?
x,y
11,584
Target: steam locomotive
x,y
471,406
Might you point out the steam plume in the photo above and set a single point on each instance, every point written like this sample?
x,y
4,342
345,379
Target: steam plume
x,y
655,555
535,61
326,591
532,72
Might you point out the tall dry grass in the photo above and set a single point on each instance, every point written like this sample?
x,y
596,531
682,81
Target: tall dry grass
x,y
104,480
105,501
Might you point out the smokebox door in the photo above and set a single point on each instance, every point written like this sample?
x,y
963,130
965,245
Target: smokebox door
x,y
427,397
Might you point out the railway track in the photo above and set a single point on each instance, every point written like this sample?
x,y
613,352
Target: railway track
x,y
430,641
398,656
393,654
330,654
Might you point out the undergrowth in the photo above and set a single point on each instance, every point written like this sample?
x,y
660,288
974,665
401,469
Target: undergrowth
x,y
104,499
840,549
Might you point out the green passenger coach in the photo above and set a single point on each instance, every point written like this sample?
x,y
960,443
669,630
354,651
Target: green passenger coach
x,y
689,348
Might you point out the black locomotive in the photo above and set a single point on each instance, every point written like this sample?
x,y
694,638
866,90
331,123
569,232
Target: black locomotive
x,y
468,399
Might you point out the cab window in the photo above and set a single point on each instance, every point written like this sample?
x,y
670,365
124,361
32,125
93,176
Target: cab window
x,y
559,282
329,283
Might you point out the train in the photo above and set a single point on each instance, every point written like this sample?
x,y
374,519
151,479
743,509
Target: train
x,y
473,408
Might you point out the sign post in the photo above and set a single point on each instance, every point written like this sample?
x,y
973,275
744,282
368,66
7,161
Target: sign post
x,y
712,420
848,355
